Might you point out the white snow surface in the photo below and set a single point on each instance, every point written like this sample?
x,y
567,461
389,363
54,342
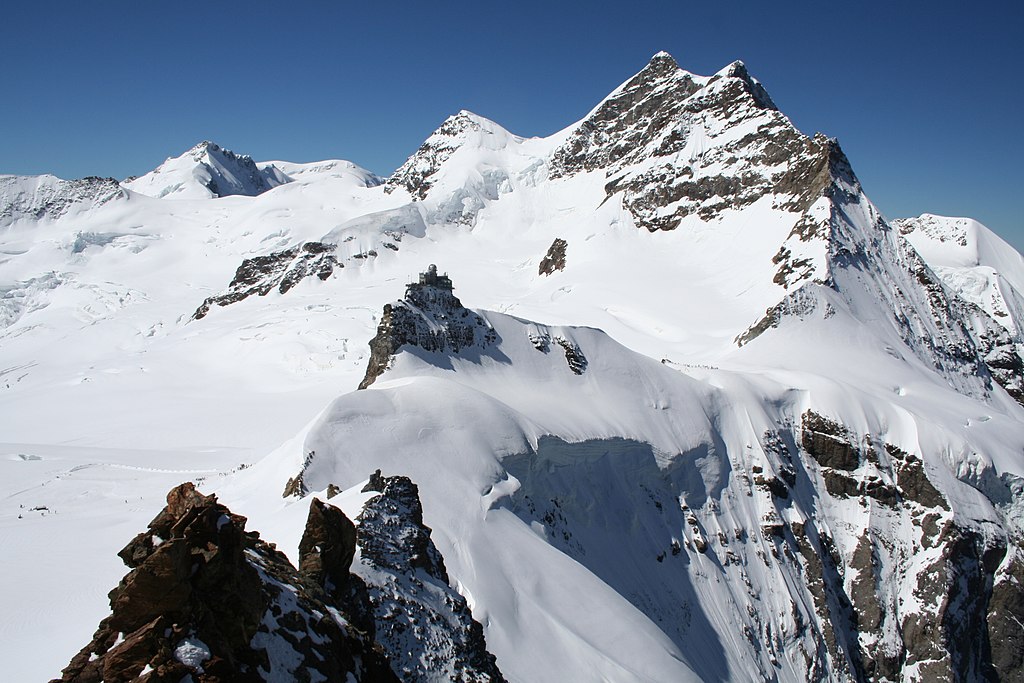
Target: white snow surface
x,y
974,262
110,394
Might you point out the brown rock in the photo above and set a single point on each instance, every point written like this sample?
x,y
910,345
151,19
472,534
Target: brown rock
x,y
327,547
554,259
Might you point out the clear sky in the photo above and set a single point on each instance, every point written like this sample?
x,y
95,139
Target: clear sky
x,y
925,97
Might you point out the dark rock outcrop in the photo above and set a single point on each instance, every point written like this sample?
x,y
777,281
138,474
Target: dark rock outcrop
x,y
964,618
800,303
1006,622
554,259
327,546
280,270
573,355
912,481
431,318
828,442
542,339
951,641
424,624
207,599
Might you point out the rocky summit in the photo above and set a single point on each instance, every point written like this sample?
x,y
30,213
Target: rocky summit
x,y
676,402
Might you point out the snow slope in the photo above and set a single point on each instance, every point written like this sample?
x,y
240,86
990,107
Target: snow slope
x,y
973,262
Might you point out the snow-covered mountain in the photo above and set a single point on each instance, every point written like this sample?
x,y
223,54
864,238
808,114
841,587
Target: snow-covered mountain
x,y
208,170
680,404
46,197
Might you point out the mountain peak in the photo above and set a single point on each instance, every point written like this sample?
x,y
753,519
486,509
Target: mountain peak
x,y
205,171
462,130
735,69
738,69
668,123
208,147
662,60
661,67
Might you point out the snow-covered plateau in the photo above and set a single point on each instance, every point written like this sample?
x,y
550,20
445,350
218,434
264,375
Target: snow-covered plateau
x,y
675,403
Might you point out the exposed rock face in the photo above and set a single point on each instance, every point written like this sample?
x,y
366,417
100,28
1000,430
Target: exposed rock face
x,y
912,481
431,318
828,442
445,175
1000,353
573,356
47,197
964,592
281,270
672,144
801,303
554,259
542,338
209,600
425,625
1006,621
959,339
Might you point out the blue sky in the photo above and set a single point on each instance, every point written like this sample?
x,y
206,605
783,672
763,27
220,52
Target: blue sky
x,y
925,97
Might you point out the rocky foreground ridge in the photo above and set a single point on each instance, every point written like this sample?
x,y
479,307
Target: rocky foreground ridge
x,y
206,600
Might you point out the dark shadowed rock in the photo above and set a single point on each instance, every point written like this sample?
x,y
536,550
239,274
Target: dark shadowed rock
x,y
327,546
1006,621
912,481
828,442
554,259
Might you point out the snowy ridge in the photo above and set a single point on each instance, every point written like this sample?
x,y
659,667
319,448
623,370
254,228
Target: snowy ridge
x,y
973,262
47,197
208,170
336,168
